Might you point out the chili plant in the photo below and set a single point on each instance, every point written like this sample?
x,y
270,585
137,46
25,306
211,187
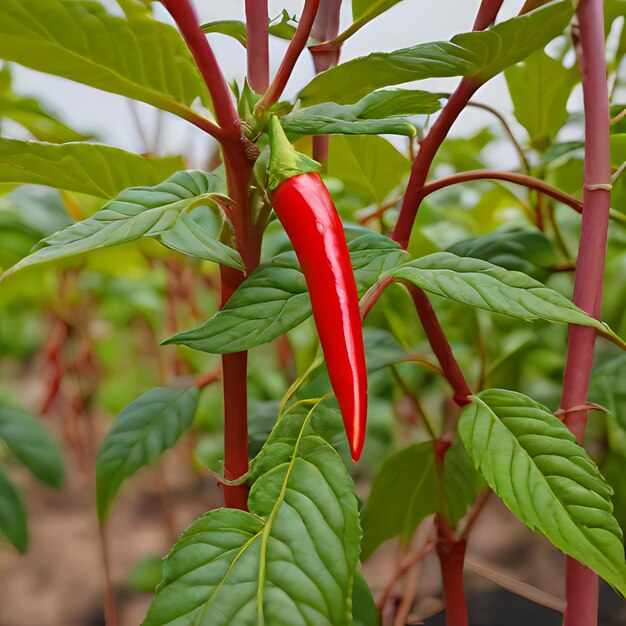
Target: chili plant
x,y
341,229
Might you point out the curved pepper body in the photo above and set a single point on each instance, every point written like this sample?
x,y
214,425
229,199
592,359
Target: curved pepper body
x,y
305,209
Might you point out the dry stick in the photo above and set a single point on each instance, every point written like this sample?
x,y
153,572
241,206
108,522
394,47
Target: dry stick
x,y
258,55
295,48
238,171
110,608
538,596
582,583
407,564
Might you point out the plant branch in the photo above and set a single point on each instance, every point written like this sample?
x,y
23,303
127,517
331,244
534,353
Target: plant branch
x,y
406,565
325,27
507,129
257,25
187,21
487,14
510,177
451,552
296,46
582,583
439,131
522,589
440,345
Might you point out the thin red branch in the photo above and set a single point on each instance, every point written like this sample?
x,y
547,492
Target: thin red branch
x,y
487,14
325,27
186,19
294,50
582,583
440,345
510,177
427,152
430,145
257,24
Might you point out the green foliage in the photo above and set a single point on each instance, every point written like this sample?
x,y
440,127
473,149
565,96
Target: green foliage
x,y
485,286
146,428
12,513
540,87
275,299
532,461
370,166
74,39
364,611
31,115
404,492
290,560
482,54
524,250
378,113
161,212
86,168
281,27
32,444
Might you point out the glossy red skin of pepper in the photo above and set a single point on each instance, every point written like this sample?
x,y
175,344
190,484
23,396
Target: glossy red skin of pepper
x,y
305,209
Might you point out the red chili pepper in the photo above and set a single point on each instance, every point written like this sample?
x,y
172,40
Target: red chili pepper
x,y
306,210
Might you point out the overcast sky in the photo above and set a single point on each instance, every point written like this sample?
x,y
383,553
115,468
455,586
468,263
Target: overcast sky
x,y
408,23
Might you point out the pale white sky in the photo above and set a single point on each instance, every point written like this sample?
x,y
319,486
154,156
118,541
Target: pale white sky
x,y
408,23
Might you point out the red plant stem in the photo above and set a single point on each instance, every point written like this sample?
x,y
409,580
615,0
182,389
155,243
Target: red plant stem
x,y
295,48
238,170
440,346
582,583
257,23
428,149
451,552
185,17
510,177
325,28
487,14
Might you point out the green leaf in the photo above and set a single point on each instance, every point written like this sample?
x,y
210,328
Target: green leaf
x,y
86,168
231,28
378,113
618,150
41,124
373,8
274,298
405,491
146,574
532,461
607,388
483,54
524,250
32,444
281,27
12,513
540,87
159,212
143,430
138,57
462,483
364,611
382,349
290,561
363,12
370,165
485,286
